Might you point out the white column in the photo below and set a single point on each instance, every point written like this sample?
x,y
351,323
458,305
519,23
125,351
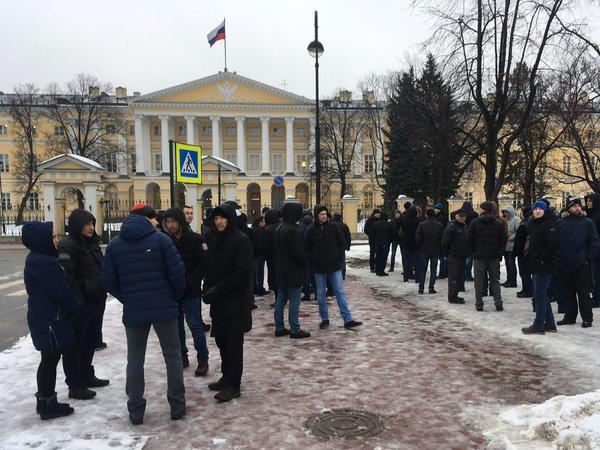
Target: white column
x,y
91,197
146,150
191,198
289,145
140,167
165,131
358,159
216,136
266,153
191,129
49,201
241,143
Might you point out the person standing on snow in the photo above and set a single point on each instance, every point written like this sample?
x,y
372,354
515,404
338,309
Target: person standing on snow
x,y
144,271
80,255
593,212
194,252
455,249
512,222
383,233
519,253
441,215
323,246
368,229
52,309
428,238
337,220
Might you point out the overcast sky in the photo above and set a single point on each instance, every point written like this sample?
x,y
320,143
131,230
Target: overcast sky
x,y
146,45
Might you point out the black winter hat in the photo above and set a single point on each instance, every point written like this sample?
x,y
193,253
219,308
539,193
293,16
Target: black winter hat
x,y
488,207
430,212
573,201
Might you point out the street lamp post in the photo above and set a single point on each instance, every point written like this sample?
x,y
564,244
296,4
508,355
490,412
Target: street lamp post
x,y
315,49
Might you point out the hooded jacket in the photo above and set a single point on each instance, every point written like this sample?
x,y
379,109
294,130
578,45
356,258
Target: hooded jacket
x,y
144,271
486,237
428,236
51,303
193,250
230,273
272,220
291,263
337,219
82,257
454,240
512,224
383,232
579,242
324,245
594,212
544,246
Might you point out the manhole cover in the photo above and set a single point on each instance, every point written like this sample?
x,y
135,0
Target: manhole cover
x,y
345,423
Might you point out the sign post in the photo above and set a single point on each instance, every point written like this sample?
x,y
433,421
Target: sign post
x,y
186,165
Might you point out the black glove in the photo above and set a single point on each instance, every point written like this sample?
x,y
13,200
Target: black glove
x,y
210,295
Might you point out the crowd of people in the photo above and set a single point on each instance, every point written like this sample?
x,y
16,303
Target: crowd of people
x,y
556,254
161,271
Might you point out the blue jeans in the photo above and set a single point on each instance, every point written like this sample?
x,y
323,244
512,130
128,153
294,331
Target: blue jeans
x,y
381,254
337,283
190,310
543,310
415,262
526,281
259,274
283,294
511,267
430,259
596,283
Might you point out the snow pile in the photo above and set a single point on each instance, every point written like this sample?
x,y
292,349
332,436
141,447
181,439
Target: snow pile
x,y
91,441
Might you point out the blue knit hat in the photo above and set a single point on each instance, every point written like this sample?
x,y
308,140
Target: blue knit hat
x,y
540,204
438,206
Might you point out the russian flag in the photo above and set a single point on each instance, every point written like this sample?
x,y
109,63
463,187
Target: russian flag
x,y
217,34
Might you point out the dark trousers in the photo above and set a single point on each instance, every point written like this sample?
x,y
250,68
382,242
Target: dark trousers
x,y
511,268
430,259
372,252
87,329
308,287
456,273
576,286
595,267
259,272
487,269
407,269
271,276
543,309
443,264
395,245
381,254
231,348
526,280
46,373
469,268
103,308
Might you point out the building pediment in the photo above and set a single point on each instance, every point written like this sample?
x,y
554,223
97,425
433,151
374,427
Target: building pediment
x,y
71,163
212,163
223,88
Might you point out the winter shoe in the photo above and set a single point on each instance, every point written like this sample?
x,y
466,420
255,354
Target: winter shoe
x,y
324,324
253,306
522,294
305,298
457,300
95,382
586,324
136,420
499,307
432,291
178,415
352,324
391,270
565,322
185,362
49,408
421,291
282,332
206,327
227,394
479,307
532,330
202,369
101,346
551,329
81,393
217,385
300,334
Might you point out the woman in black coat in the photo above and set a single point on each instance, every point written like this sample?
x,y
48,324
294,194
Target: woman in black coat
x,y
228,288
51,308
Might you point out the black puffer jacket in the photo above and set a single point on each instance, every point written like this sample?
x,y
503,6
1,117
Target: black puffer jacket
x,y
230,273
486,237
259,240
272,220
82,257
429,236
337,219
454,240
291,263
383,232
544,245
594,212
193,250
368,229
579,244
324,245
409,225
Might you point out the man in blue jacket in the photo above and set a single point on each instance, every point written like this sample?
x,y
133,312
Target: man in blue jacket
x,y
579,246
143,270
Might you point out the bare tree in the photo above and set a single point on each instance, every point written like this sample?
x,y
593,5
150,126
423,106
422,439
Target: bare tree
x,y
487,41
24,109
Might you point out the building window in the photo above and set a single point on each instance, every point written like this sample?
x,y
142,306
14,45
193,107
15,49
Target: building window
x,y
4,162
301,132
277,131
3,130
368,200
254,131
231,157
567,164
6,200
33,202
206,131
182,130
302,163
469,197
111,162
158,162
59,131
277,164
131,130
156,130
133,163
110,129
253,164
34,131
324,164
369,163
230,131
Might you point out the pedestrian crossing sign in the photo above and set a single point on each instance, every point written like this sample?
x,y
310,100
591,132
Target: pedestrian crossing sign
x,y
188,159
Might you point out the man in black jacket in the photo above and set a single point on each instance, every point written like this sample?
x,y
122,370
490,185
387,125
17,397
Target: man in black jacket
x,y
337,219
272,217
368,229
471,216
519,253
291,266
487,241
397,241
259,243
383,233
428,238
593,212
323,246
228,290
193,250
308,287
441,215
456,250
409,225
80,255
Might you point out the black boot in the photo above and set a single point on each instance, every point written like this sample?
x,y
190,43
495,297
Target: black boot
x,y
227,394
202,369
82,393
95,382
49,408
218,385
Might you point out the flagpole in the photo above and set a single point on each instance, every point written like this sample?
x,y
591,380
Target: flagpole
x,y
225,45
